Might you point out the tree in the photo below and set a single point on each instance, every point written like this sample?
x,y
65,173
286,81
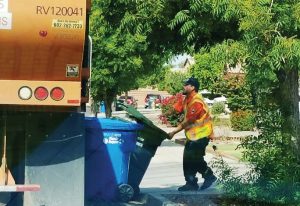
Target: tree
x,y
155,79
271,30
119,56
173,82
116,63
267,31
212,69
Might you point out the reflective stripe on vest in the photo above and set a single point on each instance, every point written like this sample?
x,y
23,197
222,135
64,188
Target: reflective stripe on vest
x,y
199,123
203,126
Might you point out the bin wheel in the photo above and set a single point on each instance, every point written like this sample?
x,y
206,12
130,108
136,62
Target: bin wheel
x,y
126,192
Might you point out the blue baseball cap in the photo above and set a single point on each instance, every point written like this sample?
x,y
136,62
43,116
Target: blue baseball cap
x,y
193,82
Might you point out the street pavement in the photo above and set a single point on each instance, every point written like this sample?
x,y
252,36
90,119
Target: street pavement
x,y
165,174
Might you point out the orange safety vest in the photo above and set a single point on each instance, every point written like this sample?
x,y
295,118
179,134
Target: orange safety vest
x,y
202,127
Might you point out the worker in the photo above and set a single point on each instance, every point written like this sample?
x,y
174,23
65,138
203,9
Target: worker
x,y
198,128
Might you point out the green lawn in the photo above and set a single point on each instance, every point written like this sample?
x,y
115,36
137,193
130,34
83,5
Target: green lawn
x,y
217,121
227,149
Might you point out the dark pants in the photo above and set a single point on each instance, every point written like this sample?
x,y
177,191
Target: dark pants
x,y
193,159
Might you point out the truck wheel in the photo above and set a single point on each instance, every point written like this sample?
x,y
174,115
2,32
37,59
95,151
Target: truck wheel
x,y
126,192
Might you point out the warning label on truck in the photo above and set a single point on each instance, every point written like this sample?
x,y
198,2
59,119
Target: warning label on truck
x,y
5,16
72,70
67,24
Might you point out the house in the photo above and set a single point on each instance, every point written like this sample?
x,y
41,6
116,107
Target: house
x,y
236,71
184,65
188,63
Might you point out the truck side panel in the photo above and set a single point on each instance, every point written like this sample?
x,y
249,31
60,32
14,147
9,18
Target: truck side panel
x,y
44,38
42,45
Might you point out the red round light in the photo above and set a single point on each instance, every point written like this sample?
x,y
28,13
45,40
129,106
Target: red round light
x,y
57,93
41,93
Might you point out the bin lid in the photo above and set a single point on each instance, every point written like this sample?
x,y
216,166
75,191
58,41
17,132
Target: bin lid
x,y
144,120
112,124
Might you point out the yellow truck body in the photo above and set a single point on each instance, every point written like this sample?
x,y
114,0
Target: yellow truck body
x,y
42,46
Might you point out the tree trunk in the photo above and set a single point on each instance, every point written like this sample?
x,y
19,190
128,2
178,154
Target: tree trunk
x,y
108,100
108,109
289,105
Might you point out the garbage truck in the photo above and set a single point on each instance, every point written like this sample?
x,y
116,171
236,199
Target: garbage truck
x,y
45,55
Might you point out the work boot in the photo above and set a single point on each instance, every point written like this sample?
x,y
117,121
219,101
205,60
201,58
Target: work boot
x,y
190,185
208,181
209,178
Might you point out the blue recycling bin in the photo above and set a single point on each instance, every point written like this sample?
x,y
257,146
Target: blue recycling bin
x,y
109,143
102,107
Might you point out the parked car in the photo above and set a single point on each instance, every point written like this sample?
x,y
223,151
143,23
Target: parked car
x,y
130,101
153,101
220,99
209,102
211,98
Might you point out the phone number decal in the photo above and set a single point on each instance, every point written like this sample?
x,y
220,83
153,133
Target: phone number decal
x,y
67,24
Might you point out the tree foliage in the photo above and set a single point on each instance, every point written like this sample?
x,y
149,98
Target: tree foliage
x,y
270,34
122,54
156,79
267,42
173,81
211,68
207,22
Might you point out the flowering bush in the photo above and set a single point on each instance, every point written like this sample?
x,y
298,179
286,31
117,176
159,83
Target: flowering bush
x,y
169,115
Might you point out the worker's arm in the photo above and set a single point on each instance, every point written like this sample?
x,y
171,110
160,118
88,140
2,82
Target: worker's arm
x,y
178,129
178,107
194,113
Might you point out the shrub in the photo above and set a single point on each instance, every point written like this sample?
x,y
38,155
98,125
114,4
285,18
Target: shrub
x,y
274,172
242,120
218,108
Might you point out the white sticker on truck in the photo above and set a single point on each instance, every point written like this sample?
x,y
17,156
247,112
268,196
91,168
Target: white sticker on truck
x,y
4,6
5,20
67,24
5,16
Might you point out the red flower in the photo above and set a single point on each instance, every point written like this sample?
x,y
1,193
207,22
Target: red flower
x,y
169,114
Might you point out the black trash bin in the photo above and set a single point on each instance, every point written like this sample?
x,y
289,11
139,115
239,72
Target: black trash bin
x,y
149,138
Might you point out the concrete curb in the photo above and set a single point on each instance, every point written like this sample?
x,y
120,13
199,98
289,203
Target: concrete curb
x,y
163,200
159,200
